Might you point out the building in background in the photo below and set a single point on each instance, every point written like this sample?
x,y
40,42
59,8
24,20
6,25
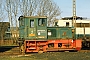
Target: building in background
x,y
8,35
4,30
82,25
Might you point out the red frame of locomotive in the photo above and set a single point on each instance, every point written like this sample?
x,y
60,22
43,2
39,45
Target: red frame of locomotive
x,y
42,45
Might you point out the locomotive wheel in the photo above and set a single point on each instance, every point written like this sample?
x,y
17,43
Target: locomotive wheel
x,y
40,52
22,50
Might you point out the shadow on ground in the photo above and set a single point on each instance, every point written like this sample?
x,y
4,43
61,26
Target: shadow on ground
x,y
86,48
6,48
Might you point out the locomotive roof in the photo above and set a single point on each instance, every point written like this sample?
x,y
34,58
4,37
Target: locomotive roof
x,y
34,16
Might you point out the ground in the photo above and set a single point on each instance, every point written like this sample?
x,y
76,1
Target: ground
x,y
49,56
13,53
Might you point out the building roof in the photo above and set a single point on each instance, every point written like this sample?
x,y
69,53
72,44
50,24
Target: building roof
x,y
71,18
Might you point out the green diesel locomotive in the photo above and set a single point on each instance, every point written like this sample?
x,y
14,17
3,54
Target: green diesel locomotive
x,y
35,36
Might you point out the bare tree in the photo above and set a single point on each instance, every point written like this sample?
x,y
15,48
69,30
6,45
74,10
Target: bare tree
x,y
27,7
41,8
8,8
1,11
33,7
1,21
15,10
48,8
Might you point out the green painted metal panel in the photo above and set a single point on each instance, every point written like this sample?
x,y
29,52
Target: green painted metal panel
x,y
60,33
65,33
52,32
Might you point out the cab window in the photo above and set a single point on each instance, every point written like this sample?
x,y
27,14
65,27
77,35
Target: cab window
x,y
41,22
31,23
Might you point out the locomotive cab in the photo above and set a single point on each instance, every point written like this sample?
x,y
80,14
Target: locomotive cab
x,y
32,27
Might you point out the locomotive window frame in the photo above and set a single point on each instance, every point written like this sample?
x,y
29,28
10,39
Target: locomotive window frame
x,y
22,22
41,21
31,23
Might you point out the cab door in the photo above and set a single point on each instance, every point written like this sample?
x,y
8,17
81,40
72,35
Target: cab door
x,y
31,29
42,28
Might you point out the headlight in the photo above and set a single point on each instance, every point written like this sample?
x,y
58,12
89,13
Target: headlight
x,y
73,30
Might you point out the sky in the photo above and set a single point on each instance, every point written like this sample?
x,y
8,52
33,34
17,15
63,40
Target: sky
x,y
82,8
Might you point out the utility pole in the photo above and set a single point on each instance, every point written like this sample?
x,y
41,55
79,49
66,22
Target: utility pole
x,y
74,14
